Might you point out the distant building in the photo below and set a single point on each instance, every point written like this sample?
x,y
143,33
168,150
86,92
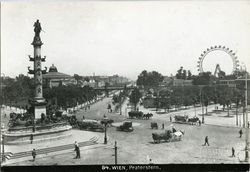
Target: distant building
x,y
54,78
91,83
182,82
167,81
229,83
114,80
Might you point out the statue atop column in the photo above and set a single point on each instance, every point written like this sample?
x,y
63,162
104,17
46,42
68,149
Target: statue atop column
x,y
37,29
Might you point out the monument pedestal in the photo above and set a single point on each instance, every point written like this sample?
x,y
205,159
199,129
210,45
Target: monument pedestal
x,y
39,105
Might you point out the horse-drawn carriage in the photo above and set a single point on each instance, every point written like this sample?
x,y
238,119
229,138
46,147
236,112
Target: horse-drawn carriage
x,y
184,119
139,115
92,125
109,122
126,126
168,136
135,114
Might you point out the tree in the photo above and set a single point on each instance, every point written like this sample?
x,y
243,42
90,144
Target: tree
x,y
77,78
18,90
149,79
189,75
179,73
221,74
86,79
203,78
134,97
184,74
164,99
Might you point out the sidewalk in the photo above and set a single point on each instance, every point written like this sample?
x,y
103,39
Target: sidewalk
x,y
220,119
77,135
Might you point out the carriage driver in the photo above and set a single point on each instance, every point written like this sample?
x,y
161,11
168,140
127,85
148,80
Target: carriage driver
x,y
173,129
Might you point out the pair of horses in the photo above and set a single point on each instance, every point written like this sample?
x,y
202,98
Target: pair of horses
x,y
139,115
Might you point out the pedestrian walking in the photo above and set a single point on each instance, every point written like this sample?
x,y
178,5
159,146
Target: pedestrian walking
x,y
5,115
89,107
34,154
233,152
83,117
78,156
170,119
240,132
77,150
31,138
162,126
199,122
206,141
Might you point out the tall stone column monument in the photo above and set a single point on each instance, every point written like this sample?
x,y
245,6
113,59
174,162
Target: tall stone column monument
x,y
38,102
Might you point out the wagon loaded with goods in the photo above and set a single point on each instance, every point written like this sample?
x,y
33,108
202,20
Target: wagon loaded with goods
x,y
167,136
92,125
154,125
126,126
184,119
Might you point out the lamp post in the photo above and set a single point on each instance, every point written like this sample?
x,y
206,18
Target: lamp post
x,y
105,121
246,124
115,153
120,103
246,117
2,78
3,157
201,102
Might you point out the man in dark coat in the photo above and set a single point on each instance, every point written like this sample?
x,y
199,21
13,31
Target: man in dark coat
x,y
77,149
31,138
233,152
34,154
206,141
240,132
78,152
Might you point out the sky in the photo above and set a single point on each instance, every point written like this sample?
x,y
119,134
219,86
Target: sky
x,y
124,37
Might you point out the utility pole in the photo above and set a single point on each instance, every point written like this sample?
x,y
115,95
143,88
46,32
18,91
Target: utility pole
x,y
246,124
120,103
3,157
201,105
115,154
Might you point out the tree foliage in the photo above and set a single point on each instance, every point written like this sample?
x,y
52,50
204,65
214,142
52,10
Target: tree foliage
x,y
203,78
149,79
135,96
183,74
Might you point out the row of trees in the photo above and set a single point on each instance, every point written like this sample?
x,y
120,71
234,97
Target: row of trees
x,y
205,89
18,91
120,98
69,96
192,95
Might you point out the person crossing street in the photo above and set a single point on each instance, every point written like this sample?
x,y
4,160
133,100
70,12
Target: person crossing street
x,y
33,153
233,152
206,141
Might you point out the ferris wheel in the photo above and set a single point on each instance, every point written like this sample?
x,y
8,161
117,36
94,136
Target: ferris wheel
x,y
218,48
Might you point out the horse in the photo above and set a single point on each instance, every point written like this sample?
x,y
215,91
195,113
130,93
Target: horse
x,y
147,116
193,120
